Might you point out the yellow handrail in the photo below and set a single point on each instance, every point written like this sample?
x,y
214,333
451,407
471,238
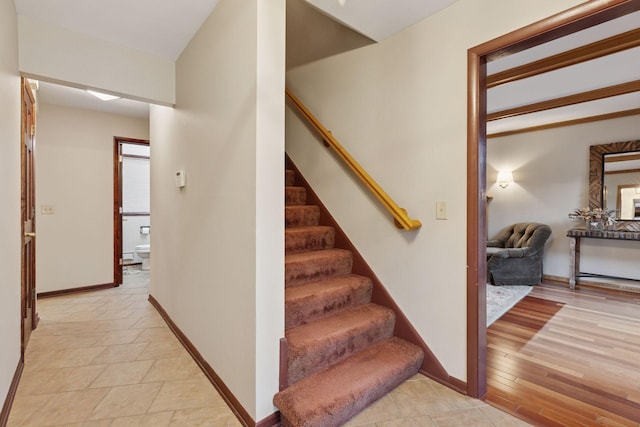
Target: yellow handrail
x,y
401,219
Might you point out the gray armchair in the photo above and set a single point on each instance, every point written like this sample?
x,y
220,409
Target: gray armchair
x,y
514,257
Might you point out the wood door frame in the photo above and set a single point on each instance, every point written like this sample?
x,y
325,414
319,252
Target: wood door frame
x,y
28,312
117,203
572,20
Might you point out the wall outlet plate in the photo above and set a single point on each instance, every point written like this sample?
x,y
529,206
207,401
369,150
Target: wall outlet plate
x,y
47,209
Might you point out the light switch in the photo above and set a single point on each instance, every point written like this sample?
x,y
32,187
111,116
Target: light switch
x,y
441,209
47,209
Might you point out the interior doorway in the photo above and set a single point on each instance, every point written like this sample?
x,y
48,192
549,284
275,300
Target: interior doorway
x,y
28,195
132,212
567,22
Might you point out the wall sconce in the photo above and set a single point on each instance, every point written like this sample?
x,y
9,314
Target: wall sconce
x,y
504,179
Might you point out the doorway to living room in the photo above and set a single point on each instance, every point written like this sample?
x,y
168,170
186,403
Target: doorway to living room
x,y
562,24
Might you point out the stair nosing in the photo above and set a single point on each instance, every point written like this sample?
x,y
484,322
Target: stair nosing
x,y
316,254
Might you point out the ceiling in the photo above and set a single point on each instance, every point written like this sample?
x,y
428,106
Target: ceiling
x,y
161,28
50,93
603,72
380,19
164,28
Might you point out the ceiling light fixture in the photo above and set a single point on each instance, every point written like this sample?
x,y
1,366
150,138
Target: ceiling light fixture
x,y
103,96
342,2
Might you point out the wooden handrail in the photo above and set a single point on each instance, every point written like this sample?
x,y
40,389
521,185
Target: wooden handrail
x,y
401,219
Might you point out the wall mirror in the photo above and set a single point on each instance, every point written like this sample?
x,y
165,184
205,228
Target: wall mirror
x,y
614,181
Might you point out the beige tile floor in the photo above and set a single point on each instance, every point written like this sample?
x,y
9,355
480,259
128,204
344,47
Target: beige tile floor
x,y
107,359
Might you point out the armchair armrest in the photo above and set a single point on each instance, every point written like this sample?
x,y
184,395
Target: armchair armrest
x,y
516,252
495,244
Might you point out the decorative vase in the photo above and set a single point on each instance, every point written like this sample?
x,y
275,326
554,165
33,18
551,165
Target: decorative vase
x,y
603,225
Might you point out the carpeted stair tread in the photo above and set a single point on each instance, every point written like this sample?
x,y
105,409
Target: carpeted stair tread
x,y
295,196
306,303
301,215
317,345
313,238
308,267
333,396
289,178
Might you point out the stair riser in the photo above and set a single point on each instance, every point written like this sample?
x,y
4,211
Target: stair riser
x,y
299,273
296,241
307,361
289,178
319,305
295,196
301,216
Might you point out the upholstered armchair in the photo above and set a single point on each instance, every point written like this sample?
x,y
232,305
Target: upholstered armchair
x,y
514,257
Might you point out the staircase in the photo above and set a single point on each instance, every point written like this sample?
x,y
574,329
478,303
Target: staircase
x,y
342,352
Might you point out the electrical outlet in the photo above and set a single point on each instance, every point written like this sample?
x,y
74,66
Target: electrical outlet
x,y
47,209
441,209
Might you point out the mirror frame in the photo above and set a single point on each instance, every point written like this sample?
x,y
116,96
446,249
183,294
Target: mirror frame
x,y
596,176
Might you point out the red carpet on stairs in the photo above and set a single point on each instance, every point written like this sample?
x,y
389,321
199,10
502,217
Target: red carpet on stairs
x,y
342,353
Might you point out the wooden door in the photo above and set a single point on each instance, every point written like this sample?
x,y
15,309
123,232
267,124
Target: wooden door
x,y
28,298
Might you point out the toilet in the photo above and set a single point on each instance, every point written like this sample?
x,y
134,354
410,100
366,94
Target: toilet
x,y
144,252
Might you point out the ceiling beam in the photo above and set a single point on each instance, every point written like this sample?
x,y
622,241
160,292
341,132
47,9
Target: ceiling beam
x,y
598,49
565,101
608,116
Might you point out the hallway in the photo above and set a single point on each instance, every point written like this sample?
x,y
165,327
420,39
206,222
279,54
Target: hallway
x,y
107,359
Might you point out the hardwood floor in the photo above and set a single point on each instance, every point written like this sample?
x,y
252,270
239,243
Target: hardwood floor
x,y
568,358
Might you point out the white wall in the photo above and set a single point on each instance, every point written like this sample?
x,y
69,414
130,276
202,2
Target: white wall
x,y
217,266
270,136
10,249
53,53
400,108
551,174
74,174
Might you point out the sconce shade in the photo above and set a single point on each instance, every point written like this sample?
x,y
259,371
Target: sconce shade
x,y
504,178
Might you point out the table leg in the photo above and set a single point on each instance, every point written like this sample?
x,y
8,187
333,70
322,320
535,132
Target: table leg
x,y
574,261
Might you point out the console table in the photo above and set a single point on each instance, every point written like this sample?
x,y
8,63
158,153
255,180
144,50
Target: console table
x,y
574,248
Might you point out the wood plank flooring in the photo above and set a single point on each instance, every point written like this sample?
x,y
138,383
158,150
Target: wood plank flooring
x,y
568,358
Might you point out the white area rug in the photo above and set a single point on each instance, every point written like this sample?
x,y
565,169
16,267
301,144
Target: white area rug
x,y
501,298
